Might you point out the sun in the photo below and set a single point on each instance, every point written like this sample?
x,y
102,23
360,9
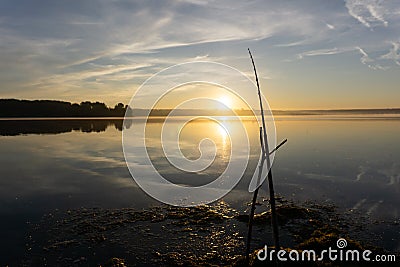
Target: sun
x,y
225,100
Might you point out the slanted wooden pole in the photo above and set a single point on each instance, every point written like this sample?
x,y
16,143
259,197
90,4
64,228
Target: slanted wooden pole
x,y
274,221
253,203
265,148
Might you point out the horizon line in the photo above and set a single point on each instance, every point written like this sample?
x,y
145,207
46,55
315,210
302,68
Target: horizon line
x,y
236,109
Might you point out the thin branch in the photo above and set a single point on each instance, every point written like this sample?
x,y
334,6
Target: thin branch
x,y
253,203
264,147
276,148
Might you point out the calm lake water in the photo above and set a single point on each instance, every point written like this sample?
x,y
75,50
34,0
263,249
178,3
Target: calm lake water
x,y
351,162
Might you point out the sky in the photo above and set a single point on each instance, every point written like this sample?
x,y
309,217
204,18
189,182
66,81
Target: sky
x,y
310,54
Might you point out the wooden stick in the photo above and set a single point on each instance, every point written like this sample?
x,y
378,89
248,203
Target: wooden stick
x,y
253,203
265,148
276,148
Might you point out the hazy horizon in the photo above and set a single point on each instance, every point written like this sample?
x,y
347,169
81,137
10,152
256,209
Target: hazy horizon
x,y
277,109
221,109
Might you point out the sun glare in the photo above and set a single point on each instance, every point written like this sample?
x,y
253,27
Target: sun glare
x,y
227,101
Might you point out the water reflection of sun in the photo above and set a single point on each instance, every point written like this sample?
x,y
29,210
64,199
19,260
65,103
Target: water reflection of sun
x,y
224,139
222,131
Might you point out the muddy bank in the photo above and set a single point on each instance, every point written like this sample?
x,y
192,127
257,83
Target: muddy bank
x,y
201,236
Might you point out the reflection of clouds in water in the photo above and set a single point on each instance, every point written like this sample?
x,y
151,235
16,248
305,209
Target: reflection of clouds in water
x,y
359,204
69,163
80,162
362,172
318,176
393,174
105,161
114,179
373,208
372,194
377,174
381,183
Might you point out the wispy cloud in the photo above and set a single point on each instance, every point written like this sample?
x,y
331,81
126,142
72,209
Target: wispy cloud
x,y
321,52
393,53
366,60
82,49
369,12
297,43
330,26
98,71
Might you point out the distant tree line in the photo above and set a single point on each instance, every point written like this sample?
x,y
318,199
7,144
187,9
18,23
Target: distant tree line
x,y
53,108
